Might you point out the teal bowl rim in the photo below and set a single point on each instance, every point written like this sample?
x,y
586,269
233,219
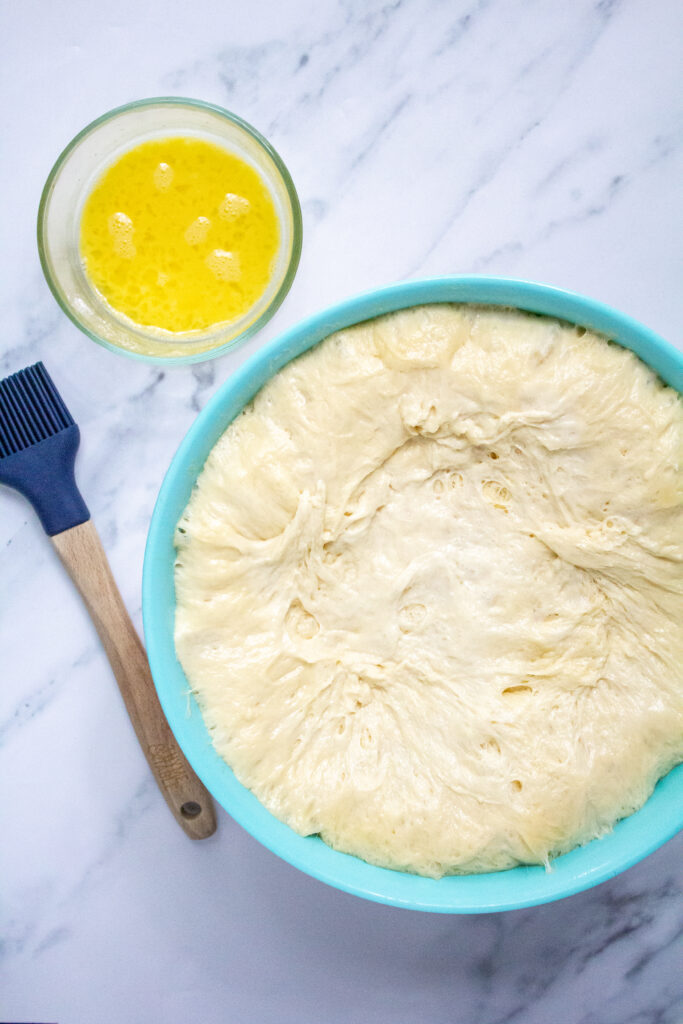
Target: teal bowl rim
x,y
294,257
633,837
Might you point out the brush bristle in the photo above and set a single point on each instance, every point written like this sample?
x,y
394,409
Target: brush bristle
x,y
31,409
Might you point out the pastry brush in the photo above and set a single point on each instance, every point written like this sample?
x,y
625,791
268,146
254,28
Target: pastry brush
x,y
38,444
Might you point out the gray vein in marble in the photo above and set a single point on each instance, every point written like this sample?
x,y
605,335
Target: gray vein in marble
x,y
646,958
594,208
615,917
143,798
17,932
34,701
568,162
204,375
53,938
40,322
352,43
661,148
149,389
18,937
373,24
27,933
373,137
315,209
460,27
582,51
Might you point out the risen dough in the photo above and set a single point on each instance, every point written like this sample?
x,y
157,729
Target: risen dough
x,y
429,589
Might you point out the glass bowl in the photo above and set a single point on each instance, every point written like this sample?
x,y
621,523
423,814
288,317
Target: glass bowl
x,y
72,178
632,838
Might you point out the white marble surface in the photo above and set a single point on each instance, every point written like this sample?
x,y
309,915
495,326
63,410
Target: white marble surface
x,y
536,139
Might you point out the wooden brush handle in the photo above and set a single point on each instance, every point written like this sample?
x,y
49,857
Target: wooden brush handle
x,y
82,553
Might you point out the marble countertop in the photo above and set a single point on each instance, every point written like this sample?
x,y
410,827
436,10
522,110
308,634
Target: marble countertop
x,y
533,139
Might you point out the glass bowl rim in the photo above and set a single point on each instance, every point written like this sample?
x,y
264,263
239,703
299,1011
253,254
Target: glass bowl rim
x,y
294,205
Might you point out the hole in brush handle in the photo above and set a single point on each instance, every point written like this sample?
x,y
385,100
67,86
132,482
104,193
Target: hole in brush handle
x,y
191,809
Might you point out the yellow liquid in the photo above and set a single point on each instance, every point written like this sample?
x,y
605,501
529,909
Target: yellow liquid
x,y
179,234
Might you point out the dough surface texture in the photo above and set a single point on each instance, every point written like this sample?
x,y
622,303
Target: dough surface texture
x,y
430,591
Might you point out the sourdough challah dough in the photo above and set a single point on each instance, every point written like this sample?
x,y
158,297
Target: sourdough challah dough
x,y
430,589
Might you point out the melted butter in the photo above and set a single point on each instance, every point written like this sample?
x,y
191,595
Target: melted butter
x,y
179,234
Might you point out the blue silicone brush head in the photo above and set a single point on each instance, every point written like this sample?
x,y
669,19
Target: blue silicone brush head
x,y
38,445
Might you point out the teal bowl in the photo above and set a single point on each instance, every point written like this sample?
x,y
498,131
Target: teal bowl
x,y
632,839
